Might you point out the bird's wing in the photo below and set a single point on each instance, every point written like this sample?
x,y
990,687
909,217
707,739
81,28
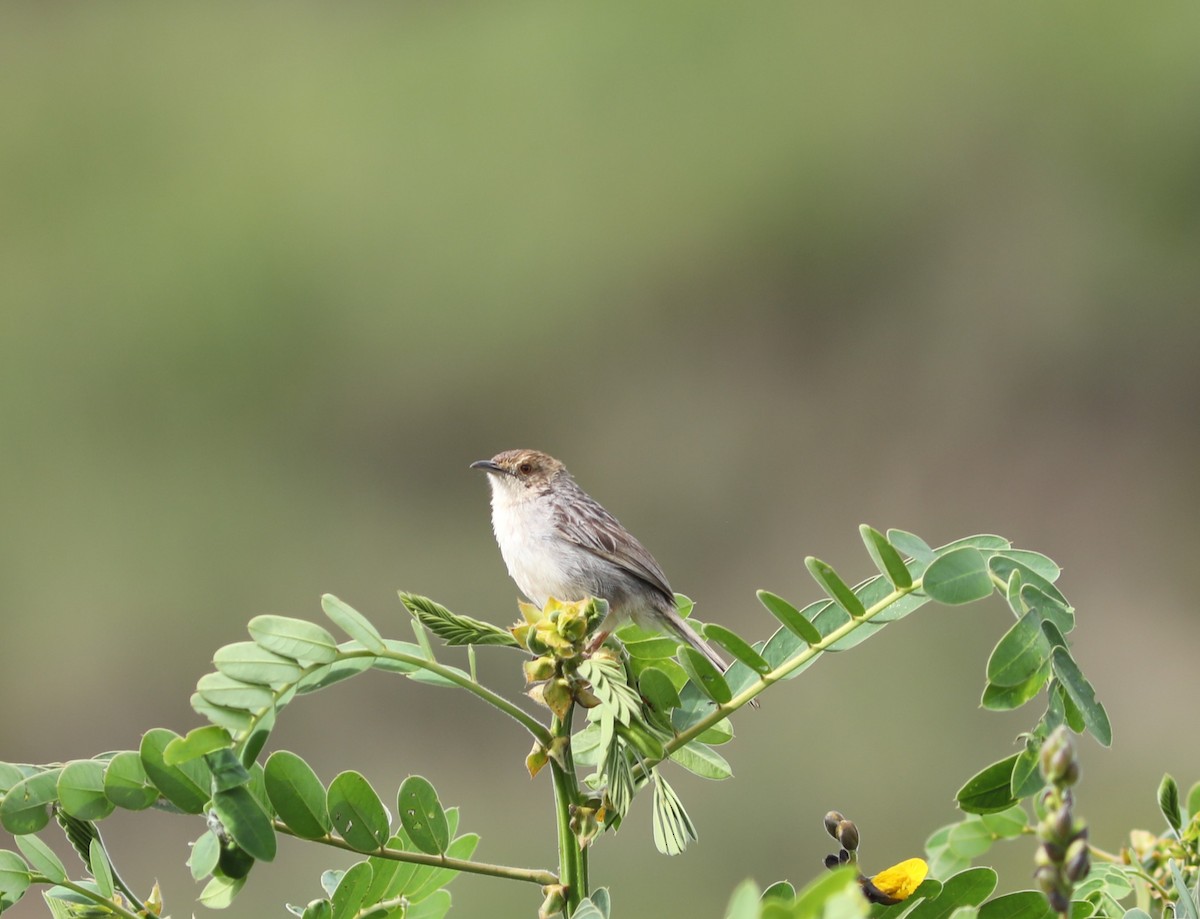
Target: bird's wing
x,y
594,529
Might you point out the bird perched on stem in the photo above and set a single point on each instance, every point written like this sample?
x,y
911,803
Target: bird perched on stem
x,y
557,541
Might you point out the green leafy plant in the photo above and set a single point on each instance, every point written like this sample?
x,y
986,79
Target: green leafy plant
x,y
615,720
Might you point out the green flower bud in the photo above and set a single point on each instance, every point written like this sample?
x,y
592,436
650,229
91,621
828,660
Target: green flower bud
x,y
556,900
1047,878
538,669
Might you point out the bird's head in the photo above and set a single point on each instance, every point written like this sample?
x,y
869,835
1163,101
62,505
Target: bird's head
x,y
521,471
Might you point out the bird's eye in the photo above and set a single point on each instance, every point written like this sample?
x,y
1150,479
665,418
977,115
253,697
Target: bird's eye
x,y
525,468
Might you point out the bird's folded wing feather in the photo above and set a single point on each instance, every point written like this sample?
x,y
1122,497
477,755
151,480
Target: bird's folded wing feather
x,y
591,527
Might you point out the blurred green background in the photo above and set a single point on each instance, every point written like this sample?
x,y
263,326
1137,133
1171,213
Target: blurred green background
x,y
274,275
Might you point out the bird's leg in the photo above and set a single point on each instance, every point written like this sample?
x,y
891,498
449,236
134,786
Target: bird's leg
x,y
600,638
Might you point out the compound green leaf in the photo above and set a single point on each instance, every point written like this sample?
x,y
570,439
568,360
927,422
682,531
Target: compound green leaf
x,y
702,760
351,891
1002,565
970,838
960,576
25,805
1050,609
1185,906
911,545
737,646
206,852
422,815
1193,800
100,868
990,790
832,584
1168,801
452,628
1080,691
1006,698
9,776
426,881
305,642
219,689
704,676
356,812
1039,564
1021,654
1027,776
41,858
434,906
967,888
353,623
656,648
656,687
297,795
126,783
250,662
1006,824
234,720
1023,904
14,875
196,743
673,828
246,821
81,790
885,556
219,892
790,617
188,786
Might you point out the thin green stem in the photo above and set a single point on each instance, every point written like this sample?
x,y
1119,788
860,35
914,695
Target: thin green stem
x,y
83,891
494,699
529,875
523,718
572,860
642,769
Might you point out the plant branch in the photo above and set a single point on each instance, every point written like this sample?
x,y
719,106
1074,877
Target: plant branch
x,y
572,860
642,769
530,875
85,892
527,721
494,699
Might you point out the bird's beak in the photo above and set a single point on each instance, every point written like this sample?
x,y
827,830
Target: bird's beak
x,y
488,466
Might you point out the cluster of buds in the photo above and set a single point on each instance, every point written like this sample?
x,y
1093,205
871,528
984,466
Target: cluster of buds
x,y
558,637
559,630
891,886
1062,858
846,834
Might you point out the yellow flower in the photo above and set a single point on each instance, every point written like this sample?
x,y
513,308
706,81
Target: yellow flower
x,y
896,884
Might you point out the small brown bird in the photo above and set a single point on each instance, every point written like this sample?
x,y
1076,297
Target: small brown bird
x,y
559,542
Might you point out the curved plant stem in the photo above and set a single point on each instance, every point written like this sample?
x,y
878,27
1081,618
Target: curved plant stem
x,y
529,875
642,769
494,699
90,894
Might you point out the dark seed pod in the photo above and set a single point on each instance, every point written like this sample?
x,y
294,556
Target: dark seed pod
x,y
847,834
831,861
832,819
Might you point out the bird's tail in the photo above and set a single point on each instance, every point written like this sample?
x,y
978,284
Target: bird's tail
x,y
681,628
